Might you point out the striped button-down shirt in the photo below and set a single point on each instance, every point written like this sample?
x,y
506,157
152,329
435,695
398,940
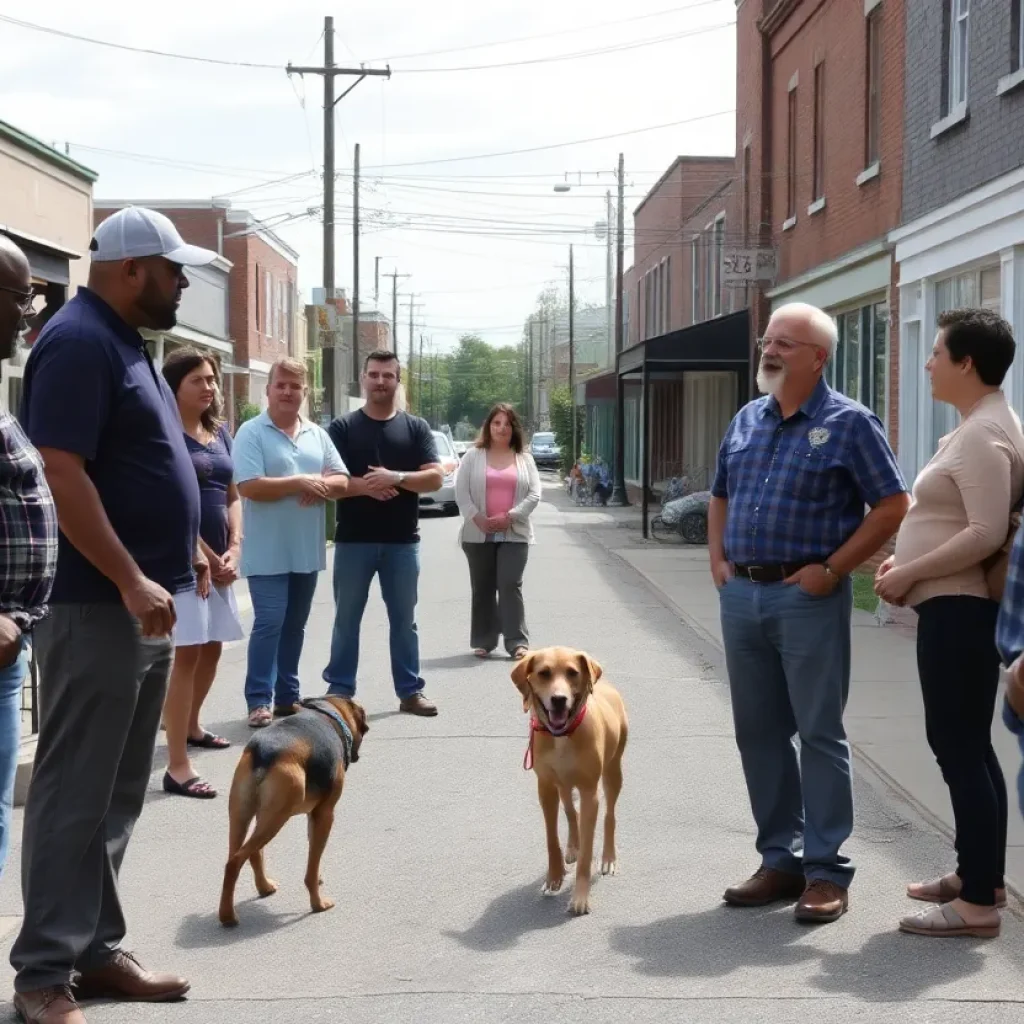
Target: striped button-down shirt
x,y
1010,632
28,528
797,488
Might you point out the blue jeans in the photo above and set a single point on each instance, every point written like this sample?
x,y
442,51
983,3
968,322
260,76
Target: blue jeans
x,y
398,568
280,607
1016,726
788,657
12,679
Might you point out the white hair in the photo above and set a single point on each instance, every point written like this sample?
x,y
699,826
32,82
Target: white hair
x,y
817,319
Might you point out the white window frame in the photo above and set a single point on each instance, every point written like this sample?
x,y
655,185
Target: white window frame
x,y
1018,12
717,228
873,87
695,280
959,28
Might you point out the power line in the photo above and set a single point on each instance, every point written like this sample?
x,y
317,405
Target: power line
x,y
578,30
559,145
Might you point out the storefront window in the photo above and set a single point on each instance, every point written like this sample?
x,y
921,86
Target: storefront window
x,y
860,363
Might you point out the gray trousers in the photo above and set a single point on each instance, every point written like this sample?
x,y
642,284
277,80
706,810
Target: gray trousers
x,y
496,578
101,688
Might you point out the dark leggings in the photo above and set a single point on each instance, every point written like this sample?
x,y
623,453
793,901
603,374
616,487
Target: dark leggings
x,y
959,669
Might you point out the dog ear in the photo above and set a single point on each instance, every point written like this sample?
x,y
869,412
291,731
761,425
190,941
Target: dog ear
x,y
590,668
360,715
521,677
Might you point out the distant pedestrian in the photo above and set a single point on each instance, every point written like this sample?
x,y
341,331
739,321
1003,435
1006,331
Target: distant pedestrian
x,y
959,518
393,459
28,538
208,617
286,468
786,527
109,432
498,488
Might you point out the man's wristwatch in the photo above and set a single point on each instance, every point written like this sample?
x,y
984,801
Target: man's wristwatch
x,y
400,479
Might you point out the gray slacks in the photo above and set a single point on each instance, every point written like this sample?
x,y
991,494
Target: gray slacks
x,y
496,579
101,689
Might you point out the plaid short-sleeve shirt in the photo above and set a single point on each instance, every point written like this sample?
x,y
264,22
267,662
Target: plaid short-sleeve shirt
x,y
797,488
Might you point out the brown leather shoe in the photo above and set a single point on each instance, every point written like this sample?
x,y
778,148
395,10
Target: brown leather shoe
x,y
286,710
765,885
53,1005
822,902
417,704
123,977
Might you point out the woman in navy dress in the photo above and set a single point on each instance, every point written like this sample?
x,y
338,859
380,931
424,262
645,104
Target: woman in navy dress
x,y
207,617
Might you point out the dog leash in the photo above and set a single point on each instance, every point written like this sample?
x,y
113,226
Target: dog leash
x,y
536,726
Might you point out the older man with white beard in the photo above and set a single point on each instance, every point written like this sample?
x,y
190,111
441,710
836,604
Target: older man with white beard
x,y
787,525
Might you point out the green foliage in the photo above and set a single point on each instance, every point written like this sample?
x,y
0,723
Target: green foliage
x,y
247,411
560,407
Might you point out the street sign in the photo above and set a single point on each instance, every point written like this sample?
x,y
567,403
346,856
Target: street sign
x,y
742,266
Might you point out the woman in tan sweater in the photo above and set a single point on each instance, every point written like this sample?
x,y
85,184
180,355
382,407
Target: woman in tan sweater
x,y
959,518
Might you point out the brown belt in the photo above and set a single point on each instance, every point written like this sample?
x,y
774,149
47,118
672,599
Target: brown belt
x,y
770,573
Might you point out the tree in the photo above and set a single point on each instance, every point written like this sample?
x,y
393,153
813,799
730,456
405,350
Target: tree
x,y
560,406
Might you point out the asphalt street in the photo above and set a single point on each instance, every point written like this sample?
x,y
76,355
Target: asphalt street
x,y
437,855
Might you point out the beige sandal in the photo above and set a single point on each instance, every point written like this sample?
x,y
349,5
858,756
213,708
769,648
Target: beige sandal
x,y
943,922
260,718
945,890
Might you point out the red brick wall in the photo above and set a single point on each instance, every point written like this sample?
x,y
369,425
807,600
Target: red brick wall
x,y
835,34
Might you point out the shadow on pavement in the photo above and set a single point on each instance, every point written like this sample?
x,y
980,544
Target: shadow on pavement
x,y
255,918
455,661
516,913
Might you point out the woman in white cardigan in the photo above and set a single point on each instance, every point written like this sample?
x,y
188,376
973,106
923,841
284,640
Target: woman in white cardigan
x,y
497,488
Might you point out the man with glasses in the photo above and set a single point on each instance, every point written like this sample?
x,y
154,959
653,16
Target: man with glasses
x,y
28,537
786,528
393,460
108,429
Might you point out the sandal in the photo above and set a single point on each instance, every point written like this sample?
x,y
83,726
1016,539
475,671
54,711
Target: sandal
x,y
944,922
196,787
519,653
945,890
259,718
209,741
481,653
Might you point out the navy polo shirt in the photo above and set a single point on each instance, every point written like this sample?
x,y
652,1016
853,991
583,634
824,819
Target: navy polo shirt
x,y
90,388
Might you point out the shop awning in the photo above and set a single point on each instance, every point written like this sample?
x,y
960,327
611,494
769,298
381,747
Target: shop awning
x,y
48,261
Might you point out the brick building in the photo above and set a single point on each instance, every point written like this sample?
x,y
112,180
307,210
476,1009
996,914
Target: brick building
x,y
262,291
819,143
962,240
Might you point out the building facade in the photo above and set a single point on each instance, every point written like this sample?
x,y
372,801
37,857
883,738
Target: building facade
x,y
263,304
962,239
46,208
819,143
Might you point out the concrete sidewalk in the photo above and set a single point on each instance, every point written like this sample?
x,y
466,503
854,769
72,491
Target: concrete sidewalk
x,y
884,717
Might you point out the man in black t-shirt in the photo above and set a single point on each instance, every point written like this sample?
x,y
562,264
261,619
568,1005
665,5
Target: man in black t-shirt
x,y
393,459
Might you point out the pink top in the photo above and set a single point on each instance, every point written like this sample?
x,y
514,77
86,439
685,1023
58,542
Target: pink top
x,y
501,490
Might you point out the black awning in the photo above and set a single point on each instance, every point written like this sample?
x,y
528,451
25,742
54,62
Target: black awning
x,y
47,261
721,343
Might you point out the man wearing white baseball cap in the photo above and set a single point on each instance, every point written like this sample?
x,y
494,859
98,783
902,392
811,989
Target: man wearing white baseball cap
x,y
108,429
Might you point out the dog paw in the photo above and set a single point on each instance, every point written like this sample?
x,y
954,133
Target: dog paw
x,y
579,904
571,854
609,865
552,886
267,888
228,920
324,903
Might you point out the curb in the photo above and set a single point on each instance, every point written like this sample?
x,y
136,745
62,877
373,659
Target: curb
x,y
920,809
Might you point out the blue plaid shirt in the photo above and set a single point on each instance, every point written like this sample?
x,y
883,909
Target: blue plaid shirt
x,y
797,488
1010,625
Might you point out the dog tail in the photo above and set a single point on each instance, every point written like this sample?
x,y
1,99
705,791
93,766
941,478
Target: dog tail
x,y
242,801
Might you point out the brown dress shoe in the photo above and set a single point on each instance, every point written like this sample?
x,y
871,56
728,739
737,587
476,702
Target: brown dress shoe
x,y
123,977
53,1005
286,710
765,885
417,704
822,902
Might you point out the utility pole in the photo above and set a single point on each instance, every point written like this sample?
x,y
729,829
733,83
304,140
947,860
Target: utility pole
x,y
433,386
330,71
376,281
413,305
572,360
394,275
529,384
618,495
419,379
354,387
608,276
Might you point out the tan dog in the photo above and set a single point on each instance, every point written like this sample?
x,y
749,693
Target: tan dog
x,y
295,766
578,733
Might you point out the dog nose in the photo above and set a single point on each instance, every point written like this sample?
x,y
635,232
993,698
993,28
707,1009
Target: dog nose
x,y
559,703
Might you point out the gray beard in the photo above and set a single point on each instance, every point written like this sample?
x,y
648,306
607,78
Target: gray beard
x,y
770,383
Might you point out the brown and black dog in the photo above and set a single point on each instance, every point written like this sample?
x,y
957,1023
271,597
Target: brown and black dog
x,y
295,766
578,730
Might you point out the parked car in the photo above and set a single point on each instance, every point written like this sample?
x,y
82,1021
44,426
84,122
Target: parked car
x,y
444,497
461,447
545,452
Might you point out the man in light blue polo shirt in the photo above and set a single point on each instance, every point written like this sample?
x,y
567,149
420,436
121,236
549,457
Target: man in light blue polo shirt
x,y
286,468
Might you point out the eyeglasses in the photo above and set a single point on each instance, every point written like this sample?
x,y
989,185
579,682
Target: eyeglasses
x,y
784,345
25,299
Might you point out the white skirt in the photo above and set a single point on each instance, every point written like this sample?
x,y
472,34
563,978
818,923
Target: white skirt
x,y
214,619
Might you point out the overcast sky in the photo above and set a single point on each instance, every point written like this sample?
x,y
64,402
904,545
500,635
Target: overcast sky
x,y
479,237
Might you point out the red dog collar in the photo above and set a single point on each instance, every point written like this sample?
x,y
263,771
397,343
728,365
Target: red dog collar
x,y
537,726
